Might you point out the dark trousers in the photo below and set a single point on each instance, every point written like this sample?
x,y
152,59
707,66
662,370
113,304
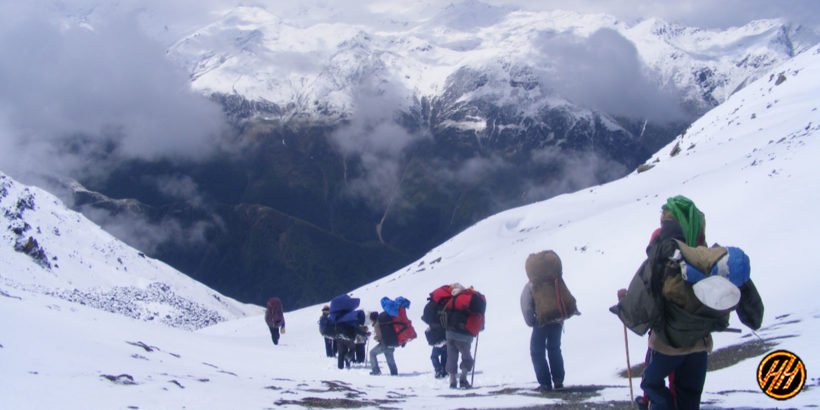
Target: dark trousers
x,y
345,353
359,356
545,342
439,358
690,376
644,398
274,334
330,347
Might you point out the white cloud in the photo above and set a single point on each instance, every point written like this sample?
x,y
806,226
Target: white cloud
x,y
88,94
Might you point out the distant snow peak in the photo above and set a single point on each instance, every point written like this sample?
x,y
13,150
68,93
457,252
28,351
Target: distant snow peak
x,y
316,69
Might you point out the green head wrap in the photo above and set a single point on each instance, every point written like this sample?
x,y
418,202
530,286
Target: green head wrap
x,y
689,217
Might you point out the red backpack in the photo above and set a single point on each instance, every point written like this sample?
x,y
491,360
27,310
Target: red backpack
x,y
464,312
396,330
404,328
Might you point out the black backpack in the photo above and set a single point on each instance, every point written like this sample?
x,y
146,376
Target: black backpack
x,y
388,331
435,335
432,312
326,327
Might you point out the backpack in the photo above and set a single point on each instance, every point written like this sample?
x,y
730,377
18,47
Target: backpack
x,y
387,330
716,274
551,296
697,303
464,312
343,319
341,305
404,328
435,335
344,331
432,310
326,327
435,306
396,331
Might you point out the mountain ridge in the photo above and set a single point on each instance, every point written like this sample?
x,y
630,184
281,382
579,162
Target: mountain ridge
x,y
421,61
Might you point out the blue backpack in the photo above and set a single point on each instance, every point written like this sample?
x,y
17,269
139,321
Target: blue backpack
x,y
344,318
733,266
719,289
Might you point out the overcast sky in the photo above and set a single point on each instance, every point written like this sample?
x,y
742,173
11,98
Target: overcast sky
x,y
700,13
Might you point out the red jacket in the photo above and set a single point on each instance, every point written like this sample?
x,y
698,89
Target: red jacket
x,y
273,315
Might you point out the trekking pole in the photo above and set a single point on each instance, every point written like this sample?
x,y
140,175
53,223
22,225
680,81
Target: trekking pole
x,y
475,354
366,352
628,369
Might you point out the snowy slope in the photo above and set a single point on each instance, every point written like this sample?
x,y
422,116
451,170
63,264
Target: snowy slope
x,y
48,249
315,66
750,165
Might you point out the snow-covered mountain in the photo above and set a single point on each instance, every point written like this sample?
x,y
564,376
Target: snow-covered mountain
x,y
750,165
315,69
48,249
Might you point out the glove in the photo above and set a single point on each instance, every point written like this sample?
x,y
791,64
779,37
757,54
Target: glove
x,y
282,330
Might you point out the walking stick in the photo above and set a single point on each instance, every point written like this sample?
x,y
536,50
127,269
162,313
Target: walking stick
x,y
475,354
366,353
628,369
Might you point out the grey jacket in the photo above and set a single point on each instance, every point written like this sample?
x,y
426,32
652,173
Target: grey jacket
x,y
528,305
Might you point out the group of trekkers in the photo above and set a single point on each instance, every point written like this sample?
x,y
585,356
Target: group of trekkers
x,y
682,292
454,313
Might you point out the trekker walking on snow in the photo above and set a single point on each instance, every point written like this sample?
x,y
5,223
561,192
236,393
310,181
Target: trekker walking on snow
x,y
275,318
545,304
438,355
325,330
663,299
380,348
463,320
360,341
346,321
666,215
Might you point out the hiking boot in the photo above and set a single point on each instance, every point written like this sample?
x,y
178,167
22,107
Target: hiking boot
x,y
544,388
375,372
453,385
464,384
559,386
642,403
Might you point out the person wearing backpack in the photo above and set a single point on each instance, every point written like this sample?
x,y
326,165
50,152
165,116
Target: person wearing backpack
x,y
438,355
545,304
666,215
463,319
436,336
326,332
275,319
380,348
361,339
681,322
347,321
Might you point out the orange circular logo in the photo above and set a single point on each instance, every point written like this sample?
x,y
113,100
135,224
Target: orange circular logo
x,y
781,375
